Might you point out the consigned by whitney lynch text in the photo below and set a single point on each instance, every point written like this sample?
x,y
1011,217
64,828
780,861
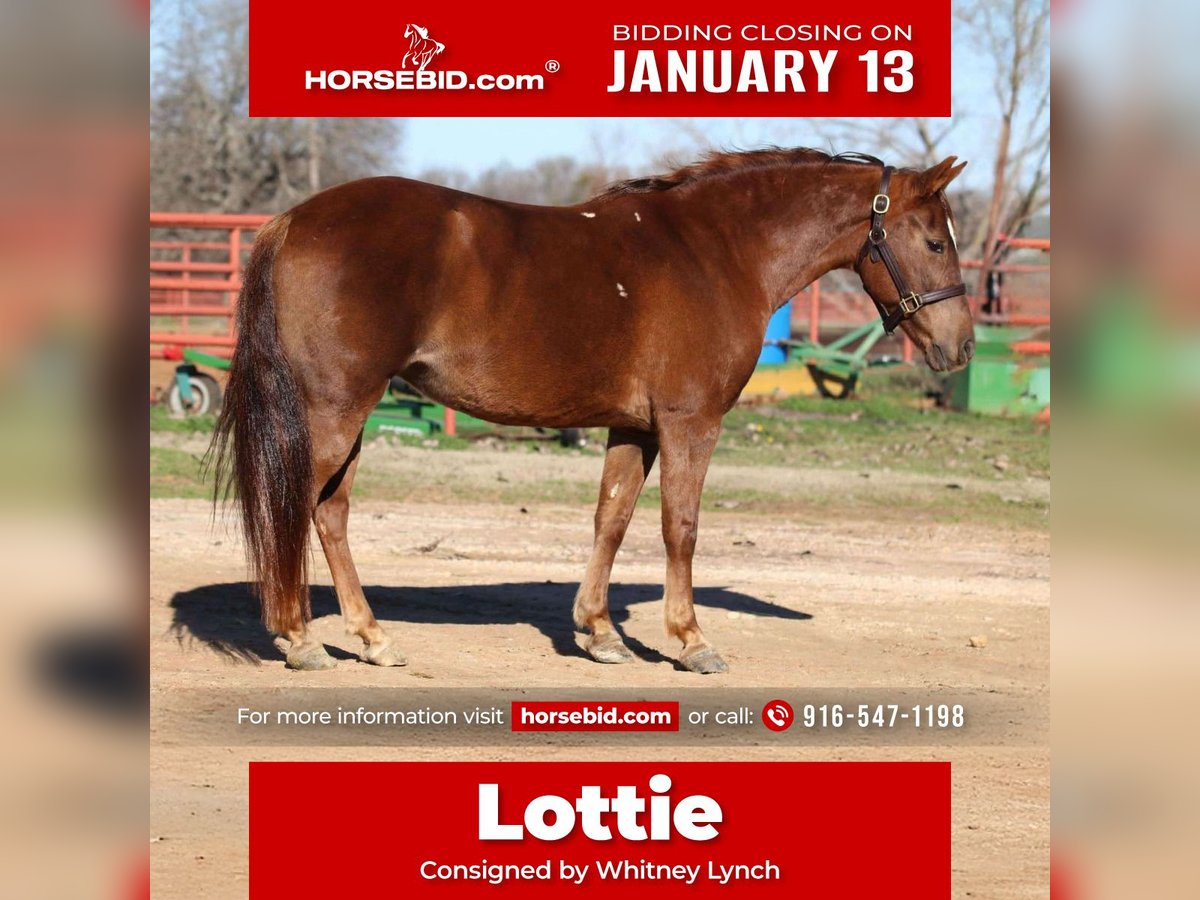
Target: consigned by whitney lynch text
x,y
600,870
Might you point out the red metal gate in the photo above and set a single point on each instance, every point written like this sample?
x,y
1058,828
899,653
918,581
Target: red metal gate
x,y
196,262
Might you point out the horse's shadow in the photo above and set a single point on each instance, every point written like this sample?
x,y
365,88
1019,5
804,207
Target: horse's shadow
x,y
225,616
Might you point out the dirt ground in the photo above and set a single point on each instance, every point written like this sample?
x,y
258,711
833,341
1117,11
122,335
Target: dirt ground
x,y
479,594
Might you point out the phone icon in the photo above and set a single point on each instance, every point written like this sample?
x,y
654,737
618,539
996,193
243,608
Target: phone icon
x,y
778,715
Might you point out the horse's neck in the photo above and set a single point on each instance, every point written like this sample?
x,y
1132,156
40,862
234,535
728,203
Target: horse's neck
x,y
802,222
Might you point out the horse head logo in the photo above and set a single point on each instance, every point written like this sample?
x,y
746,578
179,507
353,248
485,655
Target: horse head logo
x,y
421,47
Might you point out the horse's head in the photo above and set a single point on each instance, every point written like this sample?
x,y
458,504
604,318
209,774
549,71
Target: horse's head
x,y
410,30
909,266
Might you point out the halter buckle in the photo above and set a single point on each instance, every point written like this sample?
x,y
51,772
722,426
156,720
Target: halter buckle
x,y
881,204
910,304
877,235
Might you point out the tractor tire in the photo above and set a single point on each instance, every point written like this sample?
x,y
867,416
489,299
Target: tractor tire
x,y
206,398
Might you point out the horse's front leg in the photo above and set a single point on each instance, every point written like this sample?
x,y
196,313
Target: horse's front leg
x,y
627,462
687,445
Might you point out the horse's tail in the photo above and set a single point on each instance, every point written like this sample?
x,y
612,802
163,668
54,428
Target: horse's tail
x,y
262,446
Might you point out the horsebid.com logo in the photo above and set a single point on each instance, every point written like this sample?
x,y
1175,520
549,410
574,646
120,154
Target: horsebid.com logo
x,y
413,74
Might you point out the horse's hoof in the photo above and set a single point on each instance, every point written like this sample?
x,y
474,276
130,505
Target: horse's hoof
x,y
608,649
385,654
309,658
705,661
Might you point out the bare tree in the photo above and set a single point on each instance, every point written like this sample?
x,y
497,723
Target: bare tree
x,y
1015,35
914,140
207,154
552,181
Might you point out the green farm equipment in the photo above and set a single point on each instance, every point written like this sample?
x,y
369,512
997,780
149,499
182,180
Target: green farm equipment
x,y
832,368
1008,376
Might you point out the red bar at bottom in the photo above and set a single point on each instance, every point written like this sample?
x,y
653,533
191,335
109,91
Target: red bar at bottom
x,y
562,829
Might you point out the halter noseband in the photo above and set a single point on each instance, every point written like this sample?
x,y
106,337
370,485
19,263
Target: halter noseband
x,y
877,248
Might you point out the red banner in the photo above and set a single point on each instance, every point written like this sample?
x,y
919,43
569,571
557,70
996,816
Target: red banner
x,y
624,58
544,829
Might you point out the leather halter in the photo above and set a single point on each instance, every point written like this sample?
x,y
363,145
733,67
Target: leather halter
x,y
876,246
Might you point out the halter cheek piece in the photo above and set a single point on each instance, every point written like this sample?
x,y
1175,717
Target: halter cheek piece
x,y
877,248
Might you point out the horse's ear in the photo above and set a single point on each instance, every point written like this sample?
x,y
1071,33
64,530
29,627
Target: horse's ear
x,y
936,178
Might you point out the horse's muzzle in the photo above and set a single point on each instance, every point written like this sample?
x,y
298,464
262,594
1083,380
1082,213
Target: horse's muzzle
x,y
940,359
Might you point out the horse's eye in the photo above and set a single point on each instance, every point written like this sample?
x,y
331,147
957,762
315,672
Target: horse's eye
x,y
937,246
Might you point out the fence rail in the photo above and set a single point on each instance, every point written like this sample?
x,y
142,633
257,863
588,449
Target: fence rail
x,y
191,305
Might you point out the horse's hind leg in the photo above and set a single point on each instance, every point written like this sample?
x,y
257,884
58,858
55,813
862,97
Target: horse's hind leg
x,y
305,651
330,517
336,440
687,446
627,462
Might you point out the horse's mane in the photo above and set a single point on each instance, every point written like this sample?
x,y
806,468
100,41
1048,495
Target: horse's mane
x,y
726,162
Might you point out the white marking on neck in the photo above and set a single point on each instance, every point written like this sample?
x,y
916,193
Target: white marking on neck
x,y
621,290
588,215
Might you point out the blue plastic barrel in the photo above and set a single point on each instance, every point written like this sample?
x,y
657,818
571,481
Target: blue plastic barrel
x,y
779,328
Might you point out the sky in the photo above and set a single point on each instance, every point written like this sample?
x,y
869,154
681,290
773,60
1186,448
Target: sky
x,y
474,145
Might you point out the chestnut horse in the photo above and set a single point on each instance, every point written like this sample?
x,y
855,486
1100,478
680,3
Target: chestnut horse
x,y
641,310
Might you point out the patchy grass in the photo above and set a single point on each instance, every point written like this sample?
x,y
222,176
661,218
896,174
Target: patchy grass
x,y
393,487
892,427
161,420
176,473
436,441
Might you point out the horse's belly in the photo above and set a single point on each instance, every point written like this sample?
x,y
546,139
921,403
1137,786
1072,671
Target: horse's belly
x,y
511,390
